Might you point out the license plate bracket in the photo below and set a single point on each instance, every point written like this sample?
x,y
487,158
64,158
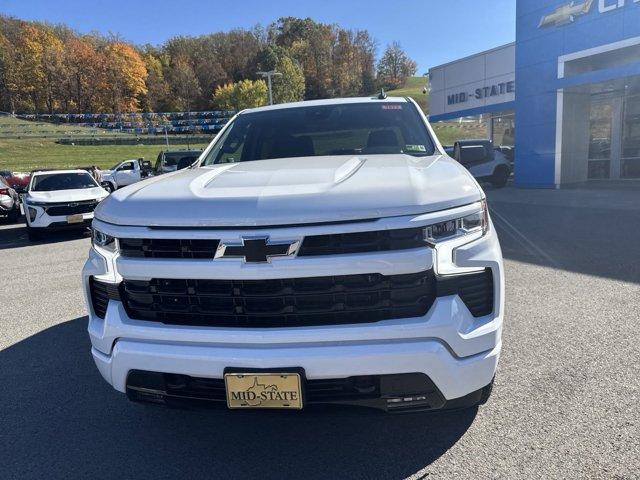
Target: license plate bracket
x,y
281,389
77,218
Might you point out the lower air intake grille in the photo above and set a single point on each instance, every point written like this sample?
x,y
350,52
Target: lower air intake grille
x,y
280,303
101,292
475,290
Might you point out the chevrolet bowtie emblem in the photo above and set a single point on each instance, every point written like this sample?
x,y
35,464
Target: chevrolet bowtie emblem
x,y
566,14
256,250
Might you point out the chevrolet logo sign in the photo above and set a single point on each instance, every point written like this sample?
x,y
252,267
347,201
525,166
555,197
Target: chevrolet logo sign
x,y
566,14
256,250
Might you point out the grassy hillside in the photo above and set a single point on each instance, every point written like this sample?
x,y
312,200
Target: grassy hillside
x,y
447,132
25,146
413,88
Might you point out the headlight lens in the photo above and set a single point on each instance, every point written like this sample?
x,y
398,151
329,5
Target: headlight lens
x,y
32,213
103,241
458,227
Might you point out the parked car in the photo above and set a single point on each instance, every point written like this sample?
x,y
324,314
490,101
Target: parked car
x,y
16,180
125,173
60,199
486,163
9,201
170,161
322,251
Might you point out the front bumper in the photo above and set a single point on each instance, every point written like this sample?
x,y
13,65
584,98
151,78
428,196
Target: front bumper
x,y
458,352
453,377
44,220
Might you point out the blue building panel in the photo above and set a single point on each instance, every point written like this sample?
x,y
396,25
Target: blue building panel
x,y
546,30
471,112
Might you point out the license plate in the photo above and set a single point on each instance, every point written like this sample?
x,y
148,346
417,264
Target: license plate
x,y
263,390
78,218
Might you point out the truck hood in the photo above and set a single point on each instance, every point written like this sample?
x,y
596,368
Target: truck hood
x,y
58,196
292,191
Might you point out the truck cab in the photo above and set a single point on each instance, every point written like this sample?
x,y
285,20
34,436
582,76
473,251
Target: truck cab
x,y
125,173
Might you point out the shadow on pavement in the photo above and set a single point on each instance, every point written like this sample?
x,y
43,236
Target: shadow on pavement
x,y
15,236
61,420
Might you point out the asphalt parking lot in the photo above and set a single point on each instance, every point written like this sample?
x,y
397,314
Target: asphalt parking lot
x,y
566,402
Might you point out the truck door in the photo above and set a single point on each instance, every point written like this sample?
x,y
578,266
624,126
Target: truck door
x,y
126,174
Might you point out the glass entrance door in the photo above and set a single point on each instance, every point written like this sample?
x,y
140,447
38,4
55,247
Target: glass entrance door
x,y
600,138
630,161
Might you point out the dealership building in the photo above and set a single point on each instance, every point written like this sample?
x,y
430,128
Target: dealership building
x,y
566,94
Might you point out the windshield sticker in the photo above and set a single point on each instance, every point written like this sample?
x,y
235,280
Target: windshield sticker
x,y
391,107
415,148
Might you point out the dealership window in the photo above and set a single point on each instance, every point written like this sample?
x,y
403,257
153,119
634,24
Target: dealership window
x,y
503,128
602,61
464,128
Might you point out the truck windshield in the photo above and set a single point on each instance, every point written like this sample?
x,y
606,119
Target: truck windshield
x,y
62,181
340,129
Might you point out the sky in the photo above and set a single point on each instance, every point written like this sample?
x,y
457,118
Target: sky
x,y
432,32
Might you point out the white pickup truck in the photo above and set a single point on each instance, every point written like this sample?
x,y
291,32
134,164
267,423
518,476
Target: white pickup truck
x,y
125,173
325,251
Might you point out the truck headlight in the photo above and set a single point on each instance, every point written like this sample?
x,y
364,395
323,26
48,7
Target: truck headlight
x,y
476,222
103,241
446,236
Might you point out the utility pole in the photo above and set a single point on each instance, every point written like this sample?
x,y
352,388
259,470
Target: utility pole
x,y
269,74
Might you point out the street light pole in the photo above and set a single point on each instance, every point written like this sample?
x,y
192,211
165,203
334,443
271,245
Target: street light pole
x,y
269,74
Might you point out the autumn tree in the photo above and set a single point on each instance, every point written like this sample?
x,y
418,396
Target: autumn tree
x,y
53,68
9,75
84,67
241,95
183,84
290,86
156,98
126,74
395,67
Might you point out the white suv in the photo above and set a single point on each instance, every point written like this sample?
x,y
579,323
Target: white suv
x,y
319,252
60,199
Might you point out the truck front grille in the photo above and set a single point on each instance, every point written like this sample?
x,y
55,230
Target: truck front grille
x,y
167,248
292,302
312,245
362,242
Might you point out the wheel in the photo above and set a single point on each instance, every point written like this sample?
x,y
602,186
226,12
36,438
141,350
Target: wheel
x,y
109,187
500,176
33,234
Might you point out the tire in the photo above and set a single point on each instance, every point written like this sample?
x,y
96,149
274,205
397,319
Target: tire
x,y
109,187
14,215
486,394
500,177
33,234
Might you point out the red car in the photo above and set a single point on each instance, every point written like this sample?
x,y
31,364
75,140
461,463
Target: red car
x,y
16,180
